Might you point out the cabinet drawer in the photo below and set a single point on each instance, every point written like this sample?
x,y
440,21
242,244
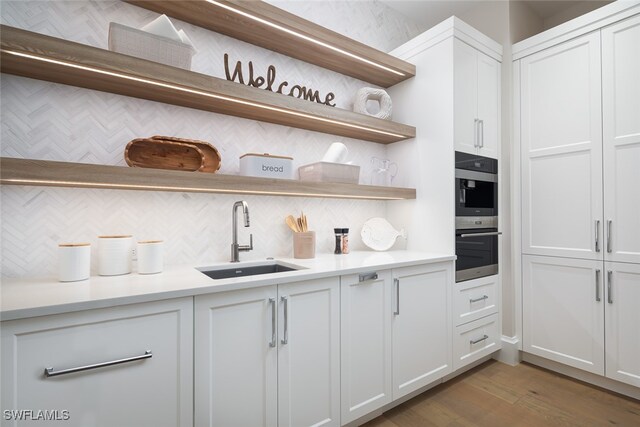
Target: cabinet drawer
x,y
120,394
476,340
475,299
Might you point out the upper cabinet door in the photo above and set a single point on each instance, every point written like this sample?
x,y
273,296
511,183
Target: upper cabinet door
x,y
465,101
488,106
476,101
621,130
562,150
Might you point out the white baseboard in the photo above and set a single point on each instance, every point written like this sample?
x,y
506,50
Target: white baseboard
x,y
509,354
579,374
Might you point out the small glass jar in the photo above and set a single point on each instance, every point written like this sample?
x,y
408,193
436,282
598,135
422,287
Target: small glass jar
x,y
338,234
345,240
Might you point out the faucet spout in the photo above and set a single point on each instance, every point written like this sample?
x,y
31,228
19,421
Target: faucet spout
x,y
235,247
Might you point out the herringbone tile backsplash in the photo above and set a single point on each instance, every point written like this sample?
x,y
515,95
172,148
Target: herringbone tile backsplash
x,y
42,120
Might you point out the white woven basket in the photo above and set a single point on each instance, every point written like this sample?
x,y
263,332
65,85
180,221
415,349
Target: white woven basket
x,y
138,43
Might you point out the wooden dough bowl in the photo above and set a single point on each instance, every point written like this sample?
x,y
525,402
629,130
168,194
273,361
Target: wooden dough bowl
x,y
161,152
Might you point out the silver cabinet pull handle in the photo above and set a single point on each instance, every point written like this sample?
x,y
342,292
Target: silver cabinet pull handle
x,y
475,132
609,285
481,133
597,235
491,233
50,372
367,276
598,285
396,282
285,338
609,235
484,337
272,302
483,297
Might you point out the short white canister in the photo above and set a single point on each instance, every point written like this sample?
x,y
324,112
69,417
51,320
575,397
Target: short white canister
x,y
74,261
150,256
114,255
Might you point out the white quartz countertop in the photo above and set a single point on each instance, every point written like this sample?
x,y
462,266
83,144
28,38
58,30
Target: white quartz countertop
x,y
21,298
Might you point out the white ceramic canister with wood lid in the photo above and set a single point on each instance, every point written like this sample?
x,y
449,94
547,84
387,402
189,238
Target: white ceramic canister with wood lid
x,y
74,261
114,255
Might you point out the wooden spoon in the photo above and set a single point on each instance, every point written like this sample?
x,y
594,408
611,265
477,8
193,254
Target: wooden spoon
x,y
291,222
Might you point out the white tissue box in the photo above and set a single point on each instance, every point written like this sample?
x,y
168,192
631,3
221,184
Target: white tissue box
x,y
330,172
266,166
144,45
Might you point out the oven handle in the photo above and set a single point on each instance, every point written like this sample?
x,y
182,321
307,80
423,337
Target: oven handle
x,y
492,233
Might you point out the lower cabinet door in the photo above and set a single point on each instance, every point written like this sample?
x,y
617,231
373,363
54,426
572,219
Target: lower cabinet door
x,y
236,358
421,326
475,340
623,322
366,366
563,310
309,353
152,386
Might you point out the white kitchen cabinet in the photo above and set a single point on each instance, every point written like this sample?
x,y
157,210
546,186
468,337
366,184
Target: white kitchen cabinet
x,y
236,361
561,149
621,130
366,364
309,353
563,310
622,321
474,299
476,101
475,340
269,356
421,326
154,389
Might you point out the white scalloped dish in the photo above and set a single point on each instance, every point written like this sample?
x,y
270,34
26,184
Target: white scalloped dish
x,y
379,235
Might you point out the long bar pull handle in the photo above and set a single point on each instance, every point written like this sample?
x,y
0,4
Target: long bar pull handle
x,y
364,277
285,338
50,372
598,285
490,233
483,297
476,341
609,235
272,302
475,132
396,282
597,235
481,133
609,285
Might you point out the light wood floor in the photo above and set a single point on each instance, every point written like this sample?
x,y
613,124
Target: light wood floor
x,y
494,394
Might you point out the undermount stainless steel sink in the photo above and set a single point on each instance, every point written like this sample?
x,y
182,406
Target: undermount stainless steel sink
x,y
250,269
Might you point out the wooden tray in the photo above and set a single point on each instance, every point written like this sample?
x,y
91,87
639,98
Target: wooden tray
x,y
212,159
160,154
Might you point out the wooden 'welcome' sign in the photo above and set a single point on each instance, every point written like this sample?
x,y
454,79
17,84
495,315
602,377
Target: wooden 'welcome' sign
x,y
297,91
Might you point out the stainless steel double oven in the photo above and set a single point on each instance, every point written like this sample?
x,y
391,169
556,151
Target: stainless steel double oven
x,y
476,216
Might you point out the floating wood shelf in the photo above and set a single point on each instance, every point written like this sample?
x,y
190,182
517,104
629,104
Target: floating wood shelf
x,y
82,175
47,58
264,25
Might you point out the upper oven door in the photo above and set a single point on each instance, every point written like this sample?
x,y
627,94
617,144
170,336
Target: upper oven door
x,y
476,193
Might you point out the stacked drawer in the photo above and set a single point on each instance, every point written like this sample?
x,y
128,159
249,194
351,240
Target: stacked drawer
x,y
476,320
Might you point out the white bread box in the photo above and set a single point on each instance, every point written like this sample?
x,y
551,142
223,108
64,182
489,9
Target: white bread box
x,y
266,166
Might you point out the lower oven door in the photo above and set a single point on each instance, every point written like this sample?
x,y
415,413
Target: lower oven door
x,y
477,252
